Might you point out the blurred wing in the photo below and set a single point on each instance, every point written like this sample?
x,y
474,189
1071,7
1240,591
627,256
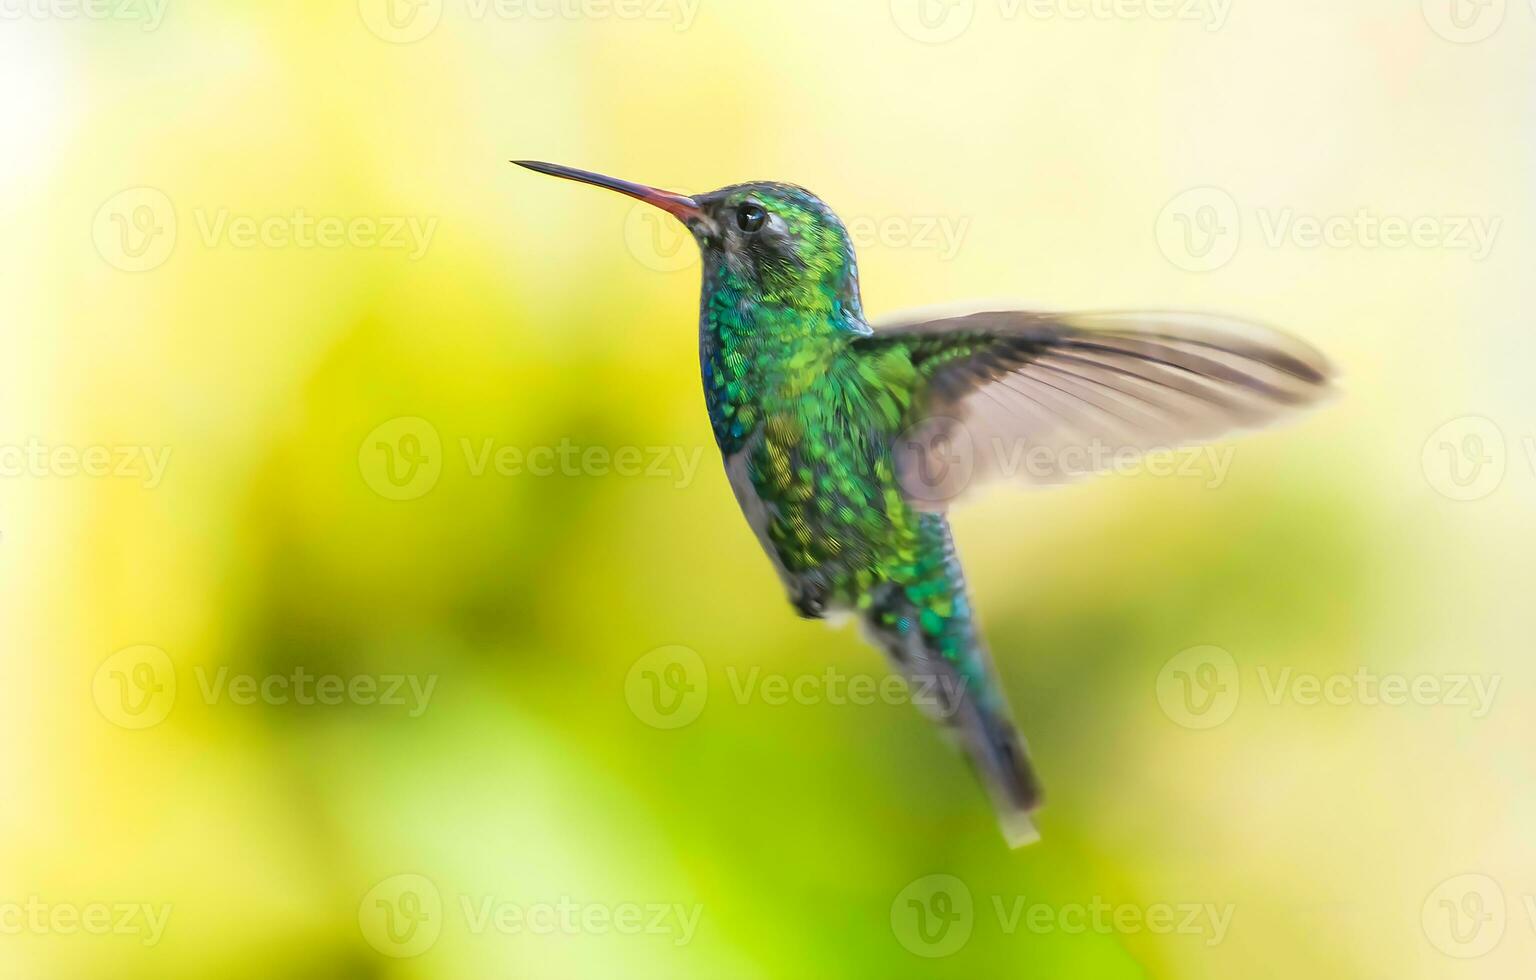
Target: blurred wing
x,y
1047,399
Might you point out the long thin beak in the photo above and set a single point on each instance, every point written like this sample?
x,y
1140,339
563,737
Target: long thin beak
x,y
679,206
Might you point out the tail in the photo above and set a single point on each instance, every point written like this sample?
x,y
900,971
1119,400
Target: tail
x,y
925,626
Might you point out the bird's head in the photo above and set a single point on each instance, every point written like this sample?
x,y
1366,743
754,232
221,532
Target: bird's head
x,y
766,242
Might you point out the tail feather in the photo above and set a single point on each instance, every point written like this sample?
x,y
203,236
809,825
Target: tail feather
x,y
952,678
997,753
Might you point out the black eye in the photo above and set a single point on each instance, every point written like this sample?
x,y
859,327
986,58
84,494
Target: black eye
x,y
750,217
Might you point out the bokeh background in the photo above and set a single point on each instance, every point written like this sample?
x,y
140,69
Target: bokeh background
x,y
270,260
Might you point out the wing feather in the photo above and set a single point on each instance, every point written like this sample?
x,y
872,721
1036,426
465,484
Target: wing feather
x,y
1049,398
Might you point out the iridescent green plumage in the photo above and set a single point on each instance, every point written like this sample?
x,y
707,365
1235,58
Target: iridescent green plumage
x,y
785,383
806,406
845,446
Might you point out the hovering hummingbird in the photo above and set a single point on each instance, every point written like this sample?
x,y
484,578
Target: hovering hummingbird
x,y
846,445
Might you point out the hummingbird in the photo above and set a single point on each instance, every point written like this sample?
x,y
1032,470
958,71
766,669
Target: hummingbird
x,y
845,445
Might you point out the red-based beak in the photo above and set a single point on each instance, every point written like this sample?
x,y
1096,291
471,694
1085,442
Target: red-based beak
x,y
679,206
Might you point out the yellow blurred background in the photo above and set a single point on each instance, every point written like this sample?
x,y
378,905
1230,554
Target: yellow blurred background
x,y
302,379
